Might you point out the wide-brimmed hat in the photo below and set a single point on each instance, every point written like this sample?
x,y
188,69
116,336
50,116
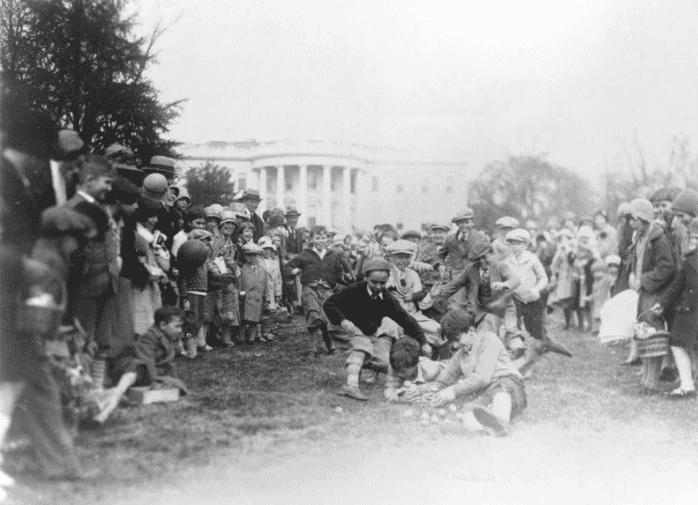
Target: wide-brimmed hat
x,y
161,165
479,249
212,211
251,194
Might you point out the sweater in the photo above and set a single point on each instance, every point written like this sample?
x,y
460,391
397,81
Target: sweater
x,y
356,305
313,269
470,372
530,271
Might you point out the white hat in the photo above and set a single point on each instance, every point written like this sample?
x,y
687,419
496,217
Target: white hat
x,y
401,247
266,243
518,235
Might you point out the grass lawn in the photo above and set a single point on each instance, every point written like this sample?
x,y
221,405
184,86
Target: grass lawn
x,y
262,425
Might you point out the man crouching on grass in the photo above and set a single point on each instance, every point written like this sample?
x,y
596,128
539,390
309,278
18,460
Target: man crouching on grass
x,y
359,310
481,367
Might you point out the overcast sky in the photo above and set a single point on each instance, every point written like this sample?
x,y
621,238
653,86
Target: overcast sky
x,y
469,80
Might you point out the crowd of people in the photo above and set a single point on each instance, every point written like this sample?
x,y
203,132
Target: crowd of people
x,y
110,274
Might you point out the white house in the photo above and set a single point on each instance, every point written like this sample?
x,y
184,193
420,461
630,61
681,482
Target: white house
x,y
342,185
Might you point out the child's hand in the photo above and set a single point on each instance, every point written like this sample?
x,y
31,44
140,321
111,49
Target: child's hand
x,y
242,294
657,309
427,350
295,271
443,397
187,305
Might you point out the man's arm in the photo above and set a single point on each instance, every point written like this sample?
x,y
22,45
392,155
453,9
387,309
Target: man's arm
x,y
454,285
332,306
293,263
509,277
449,375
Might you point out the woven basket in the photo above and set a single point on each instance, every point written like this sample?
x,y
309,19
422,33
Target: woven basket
x,y
655,346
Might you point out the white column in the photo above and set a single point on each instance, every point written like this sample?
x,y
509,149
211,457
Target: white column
x,y
280,188
262,189
346,199
326,196
303,194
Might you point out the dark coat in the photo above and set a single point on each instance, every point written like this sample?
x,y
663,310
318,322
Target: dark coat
x,y
294,242
454,251
682,297
658,267
258,226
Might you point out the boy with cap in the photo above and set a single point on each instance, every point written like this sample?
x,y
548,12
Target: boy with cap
x,y
254,286
503,225
360,310
489,285
406,286
454,251
251,199
294,242
317,267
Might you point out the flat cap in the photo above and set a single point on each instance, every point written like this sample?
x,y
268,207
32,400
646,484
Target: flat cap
x,y
466,213
401,247
518,235
376,264
507,222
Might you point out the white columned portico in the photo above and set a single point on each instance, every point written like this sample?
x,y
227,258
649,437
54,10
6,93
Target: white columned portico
x,y
303,194
327,195
262,189
346,199
280,188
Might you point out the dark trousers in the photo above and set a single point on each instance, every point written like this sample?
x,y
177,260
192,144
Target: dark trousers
x,y
40,416
532,314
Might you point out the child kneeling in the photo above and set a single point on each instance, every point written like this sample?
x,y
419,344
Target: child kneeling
x,y
481,367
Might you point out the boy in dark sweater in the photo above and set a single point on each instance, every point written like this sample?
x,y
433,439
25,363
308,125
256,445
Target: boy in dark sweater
x,y
359,310
317,267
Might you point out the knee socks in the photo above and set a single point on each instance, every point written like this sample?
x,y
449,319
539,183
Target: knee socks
x,y
354,363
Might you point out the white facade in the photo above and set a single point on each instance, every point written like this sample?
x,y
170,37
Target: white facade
x,y
345,186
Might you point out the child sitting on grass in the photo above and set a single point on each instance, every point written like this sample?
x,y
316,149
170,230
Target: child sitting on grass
x,y
408,368
150,360
481,367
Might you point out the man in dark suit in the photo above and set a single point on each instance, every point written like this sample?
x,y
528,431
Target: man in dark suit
x,y
294,242
251,199
455,249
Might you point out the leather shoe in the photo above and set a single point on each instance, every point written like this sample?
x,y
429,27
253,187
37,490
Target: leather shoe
x,y
353,392
551,345
488,418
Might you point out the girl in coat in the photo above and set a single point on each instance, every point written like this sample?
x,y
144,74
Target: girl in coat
x,y
253,293
226,302
682,296
651,270
563,275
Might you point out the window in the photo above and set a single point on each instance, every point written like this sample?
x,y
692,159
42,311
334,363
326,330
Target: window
x,y
312,180
374,184
400,226
425,189
352,182
400,188
242,182
449,189
288,184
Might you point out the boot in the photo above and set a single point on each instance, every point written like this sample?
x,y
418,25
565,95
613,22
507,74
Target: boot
x,y
551,345
190,343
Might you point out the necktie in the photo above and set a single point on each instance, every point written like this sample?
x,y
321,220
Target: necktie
x,y
375,297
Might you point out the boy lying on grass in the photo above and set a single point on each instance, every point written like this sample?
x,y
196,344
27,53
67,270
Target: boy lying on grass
x,y
481,367
408,369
